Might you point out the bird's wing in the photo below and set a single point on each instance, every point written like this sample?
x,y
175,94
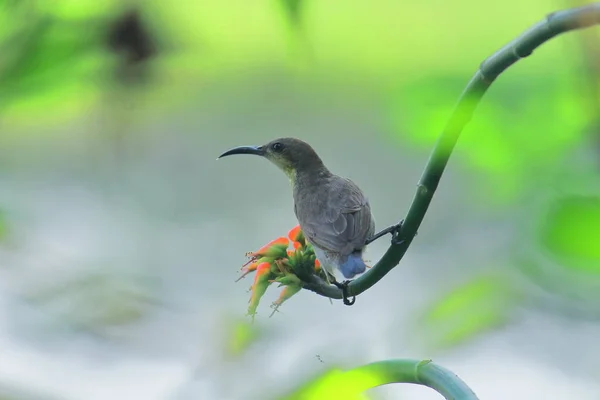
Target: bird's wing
x,y
345,223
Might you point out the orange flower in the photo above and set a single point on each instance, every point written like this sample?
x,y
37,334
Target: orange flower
x,y
259,287
275,263
246,269
274,249
297,237
285,294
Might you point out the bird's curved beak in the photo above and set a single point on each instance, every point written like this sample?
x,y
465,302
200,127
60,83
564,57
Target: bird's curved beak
x,y
256,150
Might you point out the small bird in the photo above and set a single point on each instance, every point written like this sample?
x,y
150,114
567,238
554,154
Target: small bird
x,y
333,213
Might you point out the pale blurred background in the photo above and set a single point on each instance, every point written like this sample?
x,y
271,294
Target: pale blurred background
x,y
121,236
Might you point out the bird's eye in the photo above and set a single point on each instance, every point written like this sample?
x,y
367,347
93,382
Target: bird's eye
x,y
278,147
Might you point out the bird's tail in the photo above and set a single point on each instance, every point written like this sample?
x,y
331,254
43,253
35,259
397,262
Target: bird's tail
x,y
353,266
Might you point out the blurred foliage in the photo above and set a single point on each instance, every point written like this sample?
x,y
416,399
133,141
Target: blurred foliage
x,y
58,61
571,232
559,254
46,62
481,305
337,384
241,336
511,139
75,66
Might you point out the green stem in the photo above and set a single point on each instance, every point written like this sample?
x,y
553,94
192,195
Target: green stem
x,y
554,24
357,380
424,373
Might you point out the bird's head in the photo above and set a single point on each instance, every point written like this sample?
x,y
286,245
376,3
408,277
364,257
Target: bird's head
x,y
289,154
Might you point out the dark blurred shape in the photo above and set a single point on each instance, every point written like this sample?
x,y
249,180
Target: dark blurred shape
x,y
293,9
129,37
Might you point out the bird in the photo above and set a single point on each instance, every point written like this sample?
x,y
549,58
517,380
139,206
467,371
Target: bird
x,y
333,212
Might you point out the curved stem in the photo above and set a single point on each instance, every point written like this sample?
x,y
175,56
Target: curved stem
x,y
345,384
554,24
424,373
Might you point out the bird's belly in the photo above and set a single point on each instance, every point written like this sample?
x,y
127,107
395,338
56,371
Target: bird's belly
x,y
327,260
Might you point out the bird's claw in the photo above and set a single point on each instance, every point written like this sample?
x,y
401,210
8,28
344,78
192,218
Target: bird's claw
x,y
396,232
344,288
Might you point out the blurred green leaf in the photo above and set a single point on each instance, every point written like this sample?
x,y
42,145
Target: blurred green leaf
x,y
480,305
338,384
571,232
48,54
19,44
48,64
241,335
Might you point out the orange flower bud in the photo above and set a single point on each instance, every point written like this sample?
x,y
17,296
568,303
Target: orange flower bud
x,y
276,248
259,287
295,234
246,269
285,294
297,237
317,265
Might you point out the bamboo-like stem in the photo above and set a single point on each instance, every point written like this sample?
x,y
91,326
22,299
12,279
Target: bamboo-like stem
x,y
426,373
380,373
554,24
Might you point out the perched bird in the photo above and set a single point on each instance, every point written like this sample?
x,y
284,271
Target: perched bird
x,y
333,213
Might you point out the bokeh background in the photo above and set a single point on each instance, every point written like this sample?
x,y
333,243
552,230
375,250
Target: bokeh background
x,y
121,236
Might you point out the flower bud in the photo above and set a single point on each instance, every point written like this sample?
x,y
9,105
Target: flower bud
x,y
260,285
276,248
297,237
246,269
285,294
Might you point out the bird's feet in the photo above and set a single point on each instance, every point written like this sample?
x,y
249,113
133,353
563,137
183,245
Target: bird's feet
x,y
394,230
396,233
344,288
